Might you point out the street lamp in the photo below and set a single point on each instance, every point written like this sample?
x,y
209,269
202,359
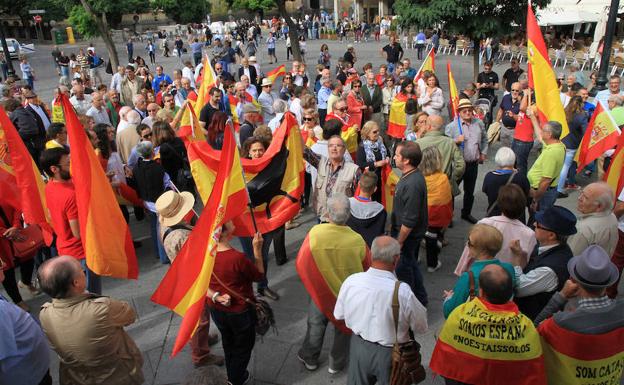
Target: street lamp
x,y
601,81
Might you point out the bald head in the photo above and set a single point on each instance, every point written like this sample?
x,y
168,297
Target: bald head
x,y
435,123
385,250
495,284
596,197
62,277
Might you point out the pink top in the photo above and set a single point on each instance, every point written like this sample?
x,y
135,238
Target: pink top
x,y
511,229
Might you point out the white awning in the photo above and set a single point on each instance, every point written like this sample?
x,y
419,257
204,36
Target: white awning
x,y
551,16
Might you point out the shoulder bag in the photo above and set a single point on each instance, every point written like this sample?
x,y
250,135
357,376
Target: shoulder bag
x,y
264,313
472,292
27,248
406,360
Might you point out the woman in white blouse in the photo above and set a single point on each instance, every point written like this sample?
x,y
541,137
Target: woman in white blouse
x,y
432,100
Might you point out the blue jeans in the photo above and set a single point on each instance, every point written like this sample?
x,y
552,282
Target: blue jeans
x,y
155,234
522,150
548,199
407,269
567,163
246,244
390,67
94,281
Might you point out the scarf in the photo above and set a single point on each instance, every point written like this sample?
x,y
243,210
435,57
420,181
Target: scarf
x,y
370,148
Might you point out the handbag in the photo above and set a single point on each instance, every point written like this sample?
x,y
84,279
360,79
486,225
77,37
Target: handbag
x,y
406,360
264,314
26,249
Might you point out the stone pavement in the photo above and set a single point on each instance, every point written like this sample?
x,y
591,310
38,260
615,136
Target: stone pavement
x,y
274,358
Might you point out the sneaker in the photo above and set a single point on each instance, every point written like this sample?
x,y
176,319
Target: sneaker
x,y
562,195
330,370
434,269
268,293
308,365
573,186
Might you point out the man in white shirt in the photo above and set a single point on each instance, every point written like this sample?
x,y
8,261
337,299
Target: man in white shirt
x,y
368,296
295,104
614,89
80,100
117,78
152,110
618,255
266,99
249,88
97,110
188,72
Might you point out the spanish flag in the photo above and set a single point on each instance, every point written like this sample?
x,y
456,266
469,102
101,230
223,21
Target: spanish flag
x,y
349,134
578,359
104,232
601,135
614,176
389,180
207,82
323,267
275,181
543,77
397,119
184,287
486,344
233,102
427,65
453,94
23,170
439,200
192,131
8,184
276,72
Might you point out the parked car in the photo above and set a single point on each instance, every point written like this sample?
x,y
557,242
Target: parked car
x,y
16,49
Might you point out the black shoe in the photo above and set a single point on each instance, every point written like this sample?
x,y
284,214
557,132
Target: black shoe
x,y
268,293
469,218
281,262
562,195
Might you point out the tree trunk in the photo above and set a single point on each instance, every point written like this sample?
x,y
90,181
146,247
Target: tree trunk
x,y
292,29
102,26
475,60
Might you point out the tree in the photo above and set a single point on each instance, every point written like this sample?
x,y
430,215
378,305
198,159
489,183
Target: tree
x,y
265,5
21,8
476,19
184,11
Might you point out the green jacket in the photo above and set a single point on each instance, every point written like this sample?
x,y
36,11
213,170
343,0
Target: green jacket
x,y
453,164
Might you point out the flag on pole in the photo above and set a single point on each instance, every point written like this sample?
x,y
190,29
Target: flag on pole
x,y
104,233
276,72
453,94
208,79
184,287
427,65
614,176
27,177
543,77
601,135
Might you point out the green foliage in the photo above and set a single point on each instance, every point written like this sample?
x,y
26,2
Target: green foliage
x,y
474,18
184,11
253,5
83,22
54,11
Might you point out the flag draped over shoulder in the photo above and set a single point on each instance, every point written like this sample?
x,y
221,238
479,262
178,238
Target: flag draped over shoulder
x,y
453,94
543,77
323,267
601,135
614,176
397,119
427,65
275,181
23,170
184,287
389,180
486,344
575,359
104,233
276,72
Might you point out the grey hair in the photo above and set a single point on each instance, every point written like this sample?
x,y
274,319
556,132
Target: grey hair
x,y
386,251
505,157
137,97
133,117
617,99
554,128
280,106
338,208
605,197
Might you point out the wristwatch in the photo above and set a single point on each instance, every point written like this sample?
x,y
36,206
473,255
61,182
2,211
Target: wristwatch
x,y
215,295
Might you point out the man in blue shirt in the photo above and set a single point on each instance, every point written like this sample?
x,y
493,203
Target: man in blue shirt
x,y
160,76
323,96
420,44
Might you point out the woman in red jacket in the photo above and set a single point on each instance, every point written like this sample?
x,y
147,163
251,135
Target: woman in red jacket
x,y
356,104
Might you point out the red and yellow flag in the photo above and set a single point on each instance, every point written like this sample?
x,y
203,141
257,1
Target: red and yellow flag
x,y
547,96
487,344
439,200
184,287
577,359
207,82
614,176
276,72
192,131
389,180
427,65
27,177
397,119
275,181
601,135
328,255
453,94
104,233
8,184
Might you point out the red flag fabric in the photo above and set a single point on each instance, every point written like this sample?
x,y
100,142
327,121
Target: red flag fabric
x,y
104,232
601,135
453,94
184,287
614,176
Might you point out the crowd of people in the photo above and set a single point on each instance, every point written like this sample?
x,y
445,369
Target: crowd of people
x,y
526,256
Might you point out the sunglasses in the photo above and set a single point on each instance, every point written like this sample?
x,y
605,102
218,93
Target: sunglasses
x,y
287,77
307,119
147,136
357,86
375,132
343,109
515,90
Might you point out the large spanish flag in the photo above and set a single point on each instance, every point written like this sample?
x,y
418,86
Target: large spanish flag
x,y
104,233
275,181
389,180
184,287
453,94
486,344
328,255
397,119
614,176
427,65
578,359
439,200
601,135
543,77
8,184
207,82
27,178
276,72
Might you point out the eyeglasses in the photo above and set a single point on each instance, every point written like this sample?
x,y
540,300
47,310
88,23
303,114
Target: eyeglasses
x,y
357,86
515,90
343,109
147,136
375,132
307,119
287,77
